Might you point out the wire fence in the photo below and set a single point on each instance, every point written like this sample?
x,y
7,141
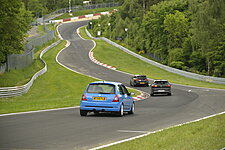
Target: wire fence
x,y
2,67
19,90
19,61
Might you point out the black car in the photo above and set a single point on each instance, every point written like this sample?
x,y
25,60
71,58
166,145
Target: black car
x,y
139,80
160,87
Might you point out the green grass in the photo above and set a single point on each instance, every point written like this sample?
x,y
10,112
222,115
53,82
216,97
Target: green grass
x,y
207,134
41,30
22,76
51,27
113,56
85,12
57,88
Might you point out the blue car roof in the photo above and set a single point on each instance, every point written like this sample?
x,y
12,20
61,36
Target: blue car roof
x,y
107,82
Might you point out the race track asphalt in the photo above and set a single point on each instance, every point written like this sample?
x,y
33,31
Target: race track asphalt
x,y
67,130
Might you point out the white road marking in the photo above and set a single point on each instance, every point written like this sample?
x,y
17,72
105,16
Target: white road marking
x,y
146,134
30,112
118,142
131,131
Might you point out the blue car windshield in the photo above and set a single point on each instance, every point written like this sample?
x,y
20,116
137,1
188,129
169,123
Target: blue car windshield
x,y
101,88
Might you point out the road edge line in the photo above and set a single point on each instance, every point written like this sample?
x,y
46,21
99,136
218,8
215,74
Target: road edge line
x,y
146,134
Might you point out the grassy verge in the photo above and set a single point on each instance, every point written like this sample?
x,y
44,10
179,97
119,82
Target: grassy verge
x,y
85,12
57,88
22,76
205,134
113,56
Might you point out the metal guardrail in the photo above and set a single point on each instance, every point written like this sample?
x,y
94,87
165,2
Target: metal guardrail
x,y
164,67
19,90
78,8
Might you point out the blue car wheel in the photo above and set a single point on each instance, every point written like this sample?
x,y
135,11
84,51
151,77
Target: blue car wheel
x,y
120,114
83,113
132,110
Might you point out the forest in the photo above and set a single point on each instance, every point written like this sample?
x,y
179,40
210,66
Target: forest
x,y
184,34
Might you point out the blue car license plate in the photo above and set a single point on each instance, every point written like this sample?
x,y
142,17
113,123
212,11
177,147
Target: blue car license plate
x,y
99,98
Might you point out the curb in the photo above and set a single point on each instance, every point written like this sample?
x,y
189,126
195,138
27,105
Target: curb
x,y
98,62
142,96
82,17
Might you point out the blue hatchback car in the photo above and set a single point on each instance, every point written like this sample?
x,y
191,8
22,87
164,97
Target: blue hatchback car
x,y
105,96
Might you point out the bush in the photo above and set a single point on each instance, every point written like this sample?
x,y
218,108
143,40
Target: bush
x,y
177,64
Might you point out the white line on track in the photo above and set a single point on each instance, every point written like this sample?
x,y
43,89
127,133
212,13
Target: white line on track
x,y
30,112
131,131
148,133
68,44
118,142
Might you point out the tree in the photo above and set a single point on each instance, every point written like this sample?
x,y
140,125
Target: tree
x,y
156,36
208,27
14,24
176,25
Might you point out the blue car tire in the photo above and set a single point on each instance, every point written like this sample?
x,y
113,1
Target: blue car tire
x,y
132,110
120,113
83,113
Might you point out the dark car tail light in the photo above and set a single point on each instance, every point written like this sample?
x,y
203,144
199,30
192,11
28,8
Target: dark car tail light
x,y
84,97
154,85
168,85
116,99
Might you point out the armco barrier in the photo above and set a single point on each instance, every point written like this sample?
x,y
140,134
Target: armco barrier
x,y
164,67
80,17
19,90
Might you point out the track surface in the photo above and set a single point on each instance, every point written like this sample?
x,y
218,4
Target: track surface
x,y
65,129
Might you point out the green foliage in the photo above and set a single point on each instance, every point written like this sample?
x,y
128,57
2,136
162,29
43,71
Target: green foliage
x,y
188,31
162,26
177,64
175,54
40,8
176,25
197,61
14,24
208,30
